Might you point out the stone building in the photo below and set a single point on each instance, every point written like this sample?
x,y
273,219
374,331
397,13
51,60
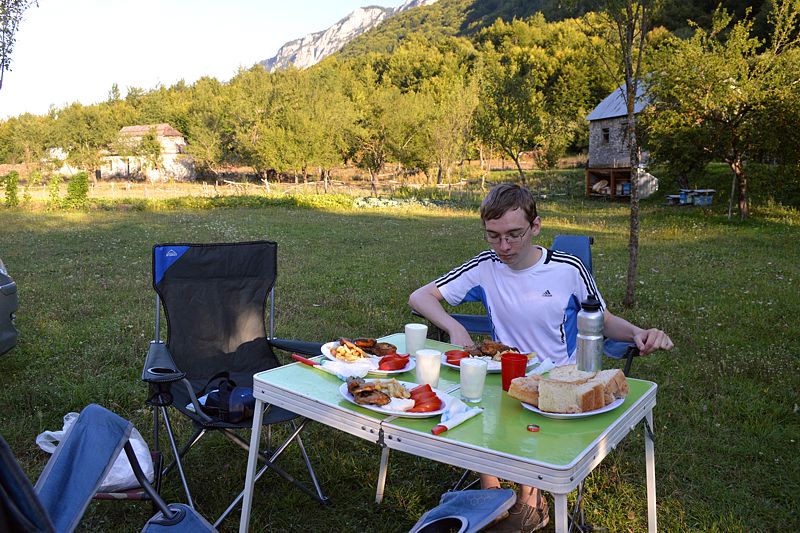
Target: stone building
x,y
174,162
608,170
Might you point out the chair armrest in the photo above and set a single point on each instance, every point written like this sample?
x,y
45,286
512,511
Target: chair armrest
x,y
159,367
297,346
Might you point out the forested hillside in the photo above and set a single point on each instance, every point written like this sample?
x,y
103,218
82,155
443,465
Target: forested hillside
x,y
462,79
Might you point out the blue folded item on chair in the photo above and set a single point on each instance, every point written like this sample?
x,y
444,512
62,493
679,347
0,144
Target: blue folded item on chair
x,y
231,404
465,511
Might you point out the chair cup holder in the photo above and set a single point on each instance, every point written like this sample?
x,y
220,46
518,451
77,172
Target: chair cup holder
x,y
161,371
446,524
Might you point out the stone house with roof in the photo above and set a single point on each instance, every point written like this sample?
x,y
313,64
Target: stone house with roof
x,y
608,169
174,163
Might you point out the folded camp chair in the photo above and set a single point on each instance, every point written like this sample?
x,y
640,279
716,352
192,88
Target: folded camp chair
x,y
580,247
215,299
72,475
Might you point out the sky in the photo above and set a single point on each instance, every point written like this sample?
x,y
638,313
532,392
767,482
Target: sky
x,y
74,50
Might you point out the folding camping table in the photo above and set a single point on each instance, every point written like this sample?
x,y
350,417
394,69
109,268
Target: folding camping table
x,y
556,458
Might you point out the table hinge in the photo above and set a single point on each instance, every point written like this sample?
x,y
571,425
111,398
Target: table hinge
x,y
380,441
648,428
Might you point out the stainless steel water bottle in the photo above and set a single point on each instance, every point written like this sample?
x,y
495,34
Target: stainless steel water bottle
x,y
590,336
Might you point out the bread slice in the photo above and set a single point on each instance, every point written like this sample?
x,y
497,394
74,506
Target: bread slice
x,y
615,385
579,396
570,373
526,389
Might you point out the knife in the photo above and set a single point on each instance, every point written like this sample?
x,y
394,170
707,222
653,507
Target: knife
x,y
314,364
309,362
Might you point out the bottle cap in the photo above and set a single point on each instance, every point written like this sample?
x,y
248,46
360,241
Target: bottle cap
x,y
591,304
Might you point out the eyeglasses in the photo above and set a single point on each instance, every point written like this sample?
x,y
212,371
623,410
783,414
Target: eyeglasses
x,y
513,237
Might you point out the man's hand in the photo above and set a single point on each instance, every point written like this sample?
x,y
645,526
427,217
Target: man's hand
x,y
460,337
650,340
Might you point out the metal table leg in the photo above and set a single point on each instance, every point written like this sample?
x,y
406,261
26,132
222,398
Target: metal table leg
x,y
561,512
650,467
252,464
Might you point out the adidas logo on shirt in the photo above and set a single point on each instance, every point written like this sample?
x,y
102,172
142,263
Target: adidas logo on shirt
x,y
547,294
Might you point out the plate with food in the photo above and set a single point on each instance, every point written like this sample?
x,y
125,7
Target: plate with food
x,y
349,351
610,407
393,397
393,363
566,392
489,351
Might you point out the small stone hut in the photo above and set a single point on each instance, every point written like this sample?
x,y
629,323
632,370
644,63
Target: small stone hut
x,y
174,164
608,170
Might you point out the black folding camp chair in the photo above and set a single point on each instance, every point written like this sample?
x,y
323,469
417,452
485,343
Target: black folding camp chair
x,y
580,247
215,299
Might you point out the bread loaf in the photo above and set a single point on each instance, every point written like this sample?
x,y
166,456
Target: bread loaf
x,y
569,390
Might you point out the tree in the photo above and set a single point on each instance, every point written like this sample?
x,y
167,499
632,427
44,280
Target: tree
x,y
11,12
728,92
628,21
511,111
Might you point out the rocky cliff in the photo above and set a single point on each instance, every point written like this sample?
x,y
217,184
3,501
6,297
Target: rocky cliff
x,y
314,47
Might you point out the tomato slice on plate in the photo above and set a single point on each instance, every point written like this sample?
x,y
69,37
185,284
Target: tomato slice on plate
x,y
456,353
427,406
420,388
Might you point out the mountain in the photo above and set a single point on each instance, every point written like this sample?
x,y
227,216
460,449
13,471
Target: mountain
x,y
314,47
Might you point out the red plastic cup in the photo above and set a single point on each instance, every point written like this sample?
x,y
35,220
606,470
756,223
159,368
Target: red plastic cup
x,y
512,365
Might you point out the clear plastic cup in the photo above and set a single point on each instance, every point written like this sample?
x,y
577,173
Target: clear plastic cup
x,y
429,362
473,377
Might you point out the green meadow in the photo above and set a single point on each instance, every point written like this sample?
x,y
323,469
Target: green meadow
x,y
727,421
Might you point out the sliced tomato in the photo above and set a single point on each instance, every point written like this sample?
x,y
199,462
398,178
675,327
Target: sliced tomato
x,y
454,361
457,353
423,396
421,388
426,407
393,363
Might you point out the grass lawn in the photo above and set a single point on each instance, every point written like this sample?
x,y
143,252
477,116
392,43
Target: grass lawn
x,y
727,419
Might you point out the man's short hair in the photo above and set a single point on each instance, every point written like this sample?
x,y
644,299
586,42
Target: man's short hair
x,y
506,197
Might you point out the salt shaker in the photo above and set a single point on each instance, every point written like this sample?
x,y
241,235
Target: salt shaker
x,y
590,336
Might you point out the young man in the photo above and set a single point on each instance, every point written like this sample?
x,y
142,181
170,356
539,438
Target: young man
x,y
533,296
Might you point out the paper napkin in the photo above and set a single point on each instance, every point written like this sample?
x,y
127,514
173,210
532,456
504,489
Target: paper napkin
x,y
456,413
544,366
344,370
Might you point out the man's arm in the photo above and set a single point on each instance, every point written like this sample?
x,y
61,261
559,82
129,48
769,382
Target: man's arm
x,y
647,340
427,301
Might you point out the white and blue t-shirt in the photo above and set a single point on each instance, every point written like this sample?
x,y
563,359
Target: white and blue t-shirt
x,y
534,309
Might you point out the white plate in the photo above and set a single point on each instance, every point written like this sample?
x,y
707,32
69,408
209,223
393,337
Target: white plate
x,y
327,351
409,366
610,407
492,367
445,398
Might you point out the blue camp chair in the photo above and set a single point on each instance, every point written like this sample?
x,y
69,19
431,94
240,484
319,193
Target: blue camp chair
x,y
72,476
580,247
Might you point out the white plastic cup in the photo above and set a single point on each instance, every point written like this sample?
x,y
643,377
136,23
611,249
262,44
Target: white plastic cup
x,y
415,338
473,377
429,362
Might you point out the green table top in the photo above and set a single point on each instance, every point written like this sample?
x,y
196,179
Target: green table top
x,y
502,427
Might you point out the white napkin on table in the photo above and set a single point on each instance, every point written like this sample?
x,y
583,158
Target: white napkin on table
x,y
544,366
456,413
344,370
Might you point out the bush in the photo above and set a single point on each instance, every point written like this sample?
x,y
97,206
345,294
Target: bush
x,y
12,185
77,191
54,192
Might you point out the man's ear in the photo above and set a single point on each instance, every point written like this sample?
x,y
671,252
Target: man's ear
x,y
536,226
